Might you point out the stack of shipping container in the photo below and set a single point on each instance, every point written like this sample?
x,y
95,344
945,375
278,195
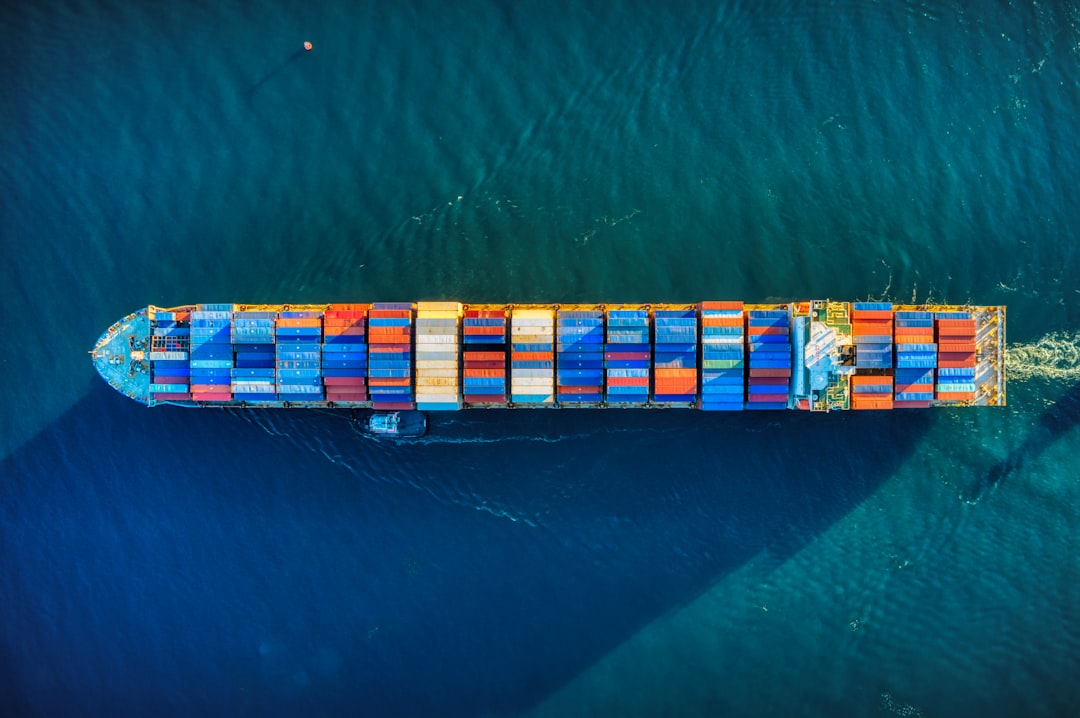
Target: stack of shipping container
x,y
485,356
532,357
871,392
390,355
675,356
253,346
872,333
211,353
580,356
723,363
956,356
438,356
627,356
299,356
344,352
769,342
916,357
170,373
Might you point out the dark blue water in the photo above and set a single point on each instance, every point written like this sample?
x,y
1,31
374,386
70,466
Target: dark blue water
x,y
174,562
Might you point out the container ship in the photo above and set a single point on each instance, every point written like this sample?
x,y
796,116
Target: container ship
x,y
817,355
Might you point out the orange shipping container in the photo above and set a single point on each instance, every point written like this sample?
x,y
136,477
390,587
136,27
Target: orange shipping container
x,y
721,305
721,321
299,323
485,373
872,328
675,386
955,396
864,403
670,372
859,380
389,381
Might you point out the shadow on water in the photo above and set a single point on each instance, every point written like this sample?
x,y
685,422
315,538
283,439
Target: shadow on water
x,y
1046,429
176,561
250,92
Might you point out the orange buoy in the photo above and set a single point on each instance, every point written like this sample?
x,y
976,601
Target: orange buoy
x,y
308,45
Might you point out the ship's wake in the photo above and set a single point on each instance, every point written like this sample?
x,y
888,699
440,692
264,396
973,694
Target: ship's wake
x,y
1055,356
337,445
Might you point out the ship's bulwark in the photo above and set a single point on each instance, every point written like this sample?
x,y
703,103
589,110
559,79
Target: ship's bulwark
x,y
816,355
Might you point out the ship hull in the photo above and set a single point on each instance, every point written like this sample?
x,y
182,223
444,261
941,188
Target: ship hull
x,y
815,355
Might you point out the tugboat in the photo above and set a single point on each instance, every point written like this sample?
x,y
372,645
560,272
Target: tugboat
x,y
392,424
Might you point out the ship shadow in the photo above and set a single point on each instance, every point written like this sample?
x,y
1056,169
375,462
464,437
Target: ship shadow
x,y
1047,428
286,566
249,93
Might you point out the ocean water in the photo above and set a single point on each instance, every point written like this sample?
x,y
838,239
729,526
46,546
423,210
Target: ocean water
x,y
180,562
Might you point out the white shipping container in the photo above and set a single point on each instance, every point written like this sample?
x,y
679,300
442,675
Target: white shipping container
x,y
429,364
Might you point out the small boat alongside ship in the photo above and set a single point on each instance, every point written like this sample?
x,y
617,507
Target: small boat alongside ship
x,y
391,424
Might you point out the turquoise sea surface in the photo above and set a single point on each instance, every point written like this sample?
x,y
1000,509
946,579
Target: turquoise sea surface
x,y
571,563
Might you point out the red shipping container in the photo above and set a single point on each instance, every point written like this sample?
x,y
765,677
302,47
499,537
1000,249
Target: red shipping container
x,y
393,405
628,381
579,389
767,398
770,372
170,380
759,331
485,398
957,347
346,391
484,331
172,397
769,381
390,314
344,381
212,396
485,356
861,314
486,313
485,364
